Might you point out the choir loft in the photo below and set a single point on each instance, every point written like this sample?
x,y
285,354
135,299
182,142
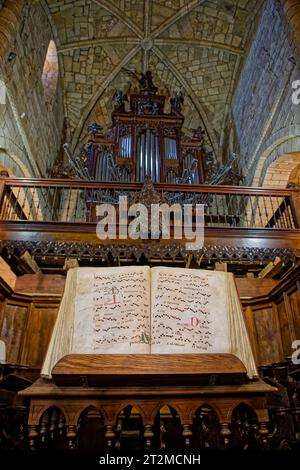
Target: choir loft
x,y
169,103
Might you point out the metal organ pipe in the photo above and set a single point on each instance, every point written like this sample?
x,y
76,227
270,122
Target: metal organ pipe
x,y
170,149
148,156
147,159
125,146
142,157
158,158
148,137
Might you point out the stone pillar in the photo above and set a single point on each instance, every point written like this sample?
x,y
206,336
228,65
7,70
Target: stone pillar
x,y
291,9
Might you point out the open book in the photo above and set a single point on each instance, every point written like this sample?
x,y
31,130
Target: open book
x,y
138,310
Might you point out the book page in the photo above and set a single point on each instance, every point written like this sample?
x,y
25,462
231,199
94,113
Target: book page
x,y
240,342
62,336
189,311
112,311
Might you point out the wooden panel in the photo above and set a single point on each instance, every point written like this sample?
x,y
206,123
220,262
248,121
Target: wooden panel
x,y
284,328
249,288
295,307
252,332
39,329
268,336
265,311
12,323
160,369
40,283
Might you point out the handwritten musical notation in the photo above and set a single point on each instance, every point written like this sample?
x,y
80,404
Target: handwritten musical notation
x,y
181,317
138,310
121,305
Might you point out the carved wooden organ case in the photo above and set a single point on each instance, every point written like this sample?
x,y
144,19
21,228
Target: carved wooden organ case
x,y
144,141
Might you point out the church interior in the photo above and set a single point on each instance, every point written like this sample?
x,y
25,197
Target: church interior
x,y
174,102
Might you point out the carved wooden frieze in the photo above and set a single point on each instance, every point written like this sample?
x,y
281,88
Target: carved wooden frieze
x,y
150,249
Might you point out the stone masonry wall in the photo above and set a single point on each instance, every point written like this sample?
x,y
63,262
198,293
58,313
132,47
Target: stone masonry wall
x,y
13,154
262,107
39,125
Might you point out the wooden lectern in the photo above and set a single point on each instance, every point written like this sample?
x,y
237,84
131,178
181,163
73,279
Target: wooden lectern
x,y
184,382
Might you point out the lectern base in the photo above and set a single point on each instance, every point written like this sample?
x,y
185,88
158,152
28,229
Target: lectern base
x,y
147,392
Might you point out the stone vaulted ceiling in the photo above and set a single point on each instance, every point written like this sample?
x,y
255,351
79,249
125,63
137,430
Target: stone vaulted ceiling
x,y
191,45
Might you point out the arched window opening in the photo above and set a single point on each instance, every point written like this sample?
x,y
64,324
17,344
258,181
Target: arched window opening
x,y
50,73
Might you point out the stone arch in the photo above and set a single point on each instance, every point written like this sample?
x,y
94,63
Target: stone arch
x,y
9,18
280,171
294,179
50,73
16,144
13,164
283,142
292,11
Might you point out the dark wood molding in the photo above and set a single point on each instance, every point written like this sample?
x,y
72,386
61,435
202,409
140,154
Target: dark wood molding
x,y
147,249
199,188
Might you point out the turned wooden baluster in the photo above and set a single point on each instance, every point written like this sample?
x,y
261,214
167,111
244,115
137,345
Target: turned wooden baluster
x,y
162,435
53,422
44,426
118,431
187,434
110,436
263,434
148,435
32,435
71,436
225,433
61,423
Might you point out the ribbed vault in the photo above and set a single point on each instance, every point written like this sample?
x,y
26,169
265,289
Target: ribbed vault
x,y
191,45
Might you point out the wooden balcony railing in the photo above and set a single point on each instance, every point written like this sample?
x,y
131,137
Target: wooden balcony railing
x,y
56,219
74,202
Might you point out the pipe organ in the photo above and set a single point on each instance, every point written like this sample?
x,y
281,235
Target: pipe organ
x,y
145,141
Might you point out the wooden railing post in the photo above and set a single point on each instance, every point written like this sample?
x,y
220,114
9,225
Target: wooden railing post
x,y
148,435
2,192
295,205
272,208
